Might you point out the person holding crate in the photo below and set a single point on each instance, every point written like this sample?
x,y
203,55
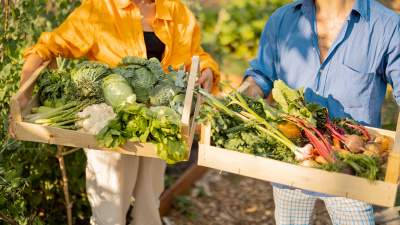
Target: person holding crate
x,y
344,53
106,31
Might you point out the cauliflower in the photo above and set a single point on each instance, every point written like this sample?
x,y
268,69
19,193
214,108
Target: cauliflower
x,y
100,114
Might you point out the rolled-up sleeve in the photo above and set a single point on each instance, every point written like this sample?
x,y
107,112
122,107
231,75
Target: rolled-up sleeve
x,y
262,68
73,39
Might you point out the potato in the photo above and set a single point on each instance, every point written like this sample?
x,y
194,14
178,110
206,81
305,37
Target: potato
x,y
383,141
373,149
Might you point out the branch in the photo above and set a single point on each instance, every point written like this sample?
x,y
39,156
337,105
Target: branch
x,y
8,220
65,183
30,220
70,151
49,151
217,30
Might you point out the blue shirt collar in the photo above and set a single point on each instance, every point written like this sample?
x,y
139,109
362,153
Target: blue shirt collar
x,y
359,6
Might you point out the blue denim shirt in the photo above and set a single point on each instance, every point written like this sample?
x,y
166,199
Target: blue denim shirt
x,y
352,80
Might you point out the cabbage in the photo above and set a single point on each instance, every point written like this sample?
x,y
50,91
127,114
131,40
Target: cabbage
x,y
116,90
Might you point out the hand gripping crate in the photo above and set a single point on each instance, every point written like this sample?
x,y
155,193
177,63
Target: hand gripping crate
x,y
381,193
51,135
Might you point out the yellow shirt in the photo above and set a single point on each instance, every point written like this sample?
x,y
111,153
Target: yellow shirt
x,y
107,30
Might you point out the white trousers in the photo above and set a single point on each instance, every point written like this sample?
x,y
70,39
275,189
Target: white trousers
x,y
111,181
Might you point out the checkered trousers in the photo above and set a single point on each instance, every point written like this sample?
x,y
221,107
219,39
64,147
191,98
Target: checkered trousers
x,y
295,207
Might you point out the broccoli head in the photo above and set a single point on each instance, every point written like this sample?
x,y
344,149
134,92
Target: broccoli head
x,y
163,93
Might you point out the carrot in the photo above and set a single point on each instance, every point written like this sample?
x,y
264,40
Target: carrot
x,y
315,152
344,151
340,150
336,142
320,160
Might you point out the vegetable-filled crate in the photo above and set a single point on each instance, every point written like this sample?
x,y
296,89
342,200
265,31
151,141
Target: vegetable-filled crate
x,y
133,108
241,138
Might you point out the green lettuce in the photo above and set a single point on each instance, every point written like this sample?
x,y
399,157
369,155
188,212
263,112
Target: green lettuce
x,y
116,90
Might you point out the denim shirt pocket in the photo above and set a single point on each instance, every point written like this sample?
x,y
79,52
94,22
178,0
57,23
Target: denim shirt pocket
x,y
352,81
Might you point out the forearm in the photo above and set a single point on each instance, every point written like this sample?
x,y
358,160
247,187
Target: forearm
x,y
31,64
255,89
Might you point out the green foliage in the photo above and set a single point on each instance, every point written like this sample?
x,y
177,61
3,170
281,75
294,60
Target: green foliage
x,y
241,29
30,177
159,125
185,207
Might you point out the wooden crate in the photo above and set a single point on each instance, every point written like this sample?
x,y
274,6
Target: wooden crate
x,y
51,135
381,193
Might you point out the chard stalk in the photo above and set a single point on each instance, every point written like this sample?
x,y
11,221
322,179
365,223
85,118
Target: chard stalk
x,y
242,102
335,133
360,128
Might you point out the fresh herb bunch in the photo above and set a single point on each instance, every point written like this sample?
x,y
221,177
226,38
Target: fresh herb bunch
x,y
56,84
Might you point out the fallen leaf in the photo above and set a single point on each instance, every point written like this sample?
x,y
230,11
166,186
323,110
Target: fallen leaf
x,y
252,209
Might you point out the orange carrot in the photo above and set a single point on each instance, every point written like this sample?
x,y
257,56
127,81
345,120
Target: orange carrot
x,y
336,142
320,160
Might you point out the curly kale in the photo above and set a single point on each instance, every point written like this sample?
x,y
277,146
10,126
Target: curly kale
x,y
127,73
142,82
91,71
155,67
133,60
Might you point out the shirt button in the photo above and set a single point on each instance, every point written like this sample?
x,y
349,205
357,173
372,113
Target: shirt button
x,y
313,49
320,71
317,92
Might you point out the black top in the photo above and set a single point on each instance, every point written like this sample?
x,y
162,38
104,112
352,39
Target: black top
x,y
154,46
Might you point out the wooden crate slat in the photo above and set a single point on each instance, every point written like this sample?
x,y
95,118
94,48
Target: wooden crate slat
x,y
34,102
31,81
393,167
57,136
379,193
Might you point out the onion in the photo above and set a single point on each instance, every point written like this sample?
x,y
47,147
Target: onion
x,y
354,143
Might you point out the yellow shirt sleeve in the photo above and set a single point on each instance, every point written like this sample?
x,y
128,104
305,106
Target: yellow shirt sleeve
x,y
205,59
73,39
